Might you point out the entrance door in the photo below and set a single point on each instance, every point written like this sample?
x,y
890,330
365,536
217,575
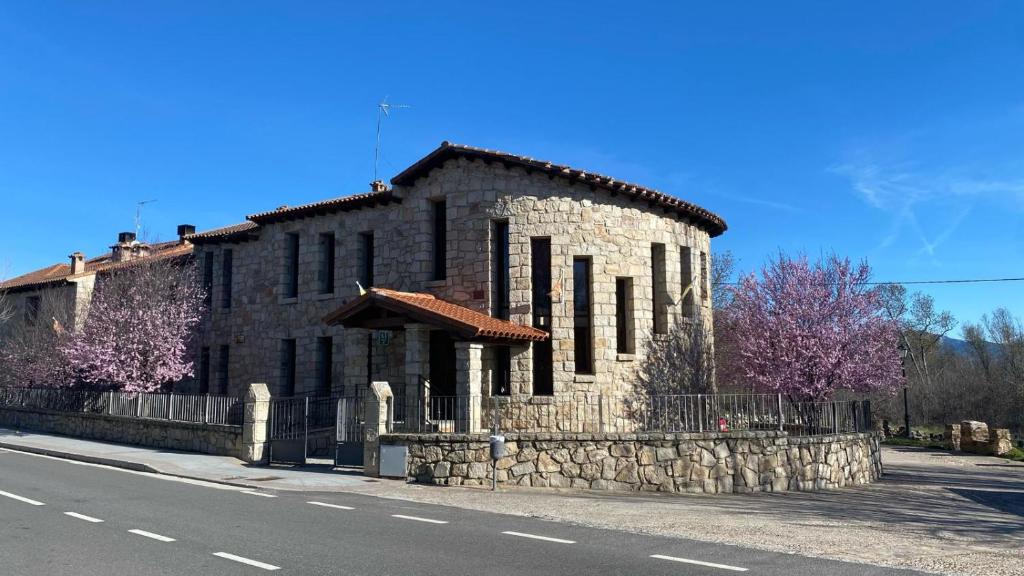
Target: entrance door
x,y
442,364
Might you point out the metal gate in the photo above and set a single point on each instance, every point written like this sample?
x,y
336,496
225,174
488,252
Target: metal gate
x,y
301,428
349,428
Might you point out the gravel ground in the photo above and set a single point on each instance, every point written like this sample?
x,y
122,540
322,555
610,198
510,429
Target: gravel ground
x,y
933,511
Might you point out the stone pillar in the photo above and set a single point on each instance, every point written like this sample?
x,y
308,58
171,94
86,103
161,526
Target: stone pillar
x,y
417,367
468,379
254,424
375,413
356,349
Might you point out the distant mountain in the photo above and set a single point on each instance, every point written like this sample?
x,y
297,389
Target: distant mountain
x,y
964,347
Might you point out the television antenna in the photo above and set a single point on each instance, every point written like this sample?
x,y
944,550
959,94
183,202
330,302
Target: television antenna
x,y
383,111
138,215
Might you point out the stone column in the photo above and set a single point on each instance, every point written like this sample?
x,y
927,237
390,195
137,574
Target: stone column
x,y
375,413
254,423
417,367
356,348
468,379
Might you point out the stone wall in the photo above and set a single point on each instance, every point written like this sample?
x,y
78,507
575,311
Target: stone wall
x,y
208,438
690,463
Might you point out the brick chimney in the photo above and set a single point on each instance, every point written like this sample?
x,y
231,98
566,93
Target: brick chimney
x,y
378,186
185,230
126,247
77,263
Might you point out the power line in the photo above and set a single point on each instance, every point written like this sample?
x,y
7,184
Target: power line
x,y
961,281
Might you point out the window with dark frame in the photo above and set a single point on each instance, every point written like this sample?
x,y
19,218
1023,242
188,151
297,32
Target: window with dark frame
x,y
208,277
223,363
440,250
326,271
705,278
500,270
502,385
540,272
226,273
324,365
291,265
32,304
624,315
366,259
582,312
204,370
288,367
659,288
686,272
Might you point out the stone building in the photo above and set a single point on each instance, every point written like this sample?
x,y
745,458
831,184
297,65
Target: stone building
x,y
477,273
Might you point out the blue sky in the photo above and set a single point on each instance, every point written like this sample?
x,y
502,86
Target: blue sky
x,y
880,130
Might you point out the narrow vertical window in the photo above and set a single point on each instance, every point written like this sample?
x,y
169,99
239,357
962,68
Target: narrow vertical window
x,y
500,270
288,367
326,272
226,273
440,222
208,277
686,279
659,289
540,270
324,365
624,315
583,332
366,259
223,361
291,265
204,370
502,385
32,310
705,278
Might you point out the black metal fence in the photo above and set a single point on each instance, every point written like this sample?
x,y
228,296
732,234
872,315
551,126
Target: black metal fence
x,y
198,408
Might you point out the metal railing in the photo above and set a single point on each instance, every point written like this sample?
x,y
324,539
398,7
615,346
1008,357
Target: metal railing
x,y
198,408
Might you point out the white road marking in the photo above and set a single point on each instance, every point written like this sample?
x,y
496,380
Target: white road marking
x,y
82,517
418,519
536,537
248,561
251,493
151,535
699,563
21,498
325,504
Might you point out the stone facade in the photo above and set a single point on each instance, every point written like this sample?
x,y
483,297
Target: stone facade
x,y
688,463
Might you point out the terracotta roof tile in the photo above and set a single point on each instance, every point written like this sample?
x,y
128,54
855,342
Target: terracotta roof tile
x,y
712,222
432,310
226,233
343,203
102,263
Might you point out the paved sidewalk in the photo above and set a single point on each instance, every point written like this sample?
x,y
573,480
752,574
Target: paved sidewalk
x,y
223,469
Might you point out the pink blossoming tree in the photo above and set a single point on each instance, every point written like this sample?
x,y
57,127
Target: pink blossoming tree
x,y
139,329
808,330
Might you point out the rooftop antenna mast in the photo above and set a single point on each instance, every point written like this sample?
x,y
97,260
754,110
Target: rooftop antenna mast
x,y
138,215
383,110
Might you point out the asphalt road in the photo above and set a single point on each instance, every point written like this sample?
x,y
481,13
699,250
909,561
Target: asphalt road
x,y
59,517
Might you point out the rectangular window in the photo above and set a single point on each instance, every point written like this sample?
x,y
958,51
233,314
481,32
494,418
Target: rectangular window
x,y
624,315
204,370
659,289
288,367
223,361
540,271
500,270
705,278
32,310
291,265
686,279
326,272
440,216
208,277
227,264
583,332
502,385
366,259
324,365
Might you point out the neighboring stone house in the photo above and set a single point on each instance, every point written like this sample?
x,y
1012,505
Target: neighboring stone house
x,y
485,273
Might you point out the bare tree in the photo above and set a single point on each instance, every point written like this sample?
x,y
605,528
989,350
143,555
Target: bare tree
x,y
922,326
683,362
30,342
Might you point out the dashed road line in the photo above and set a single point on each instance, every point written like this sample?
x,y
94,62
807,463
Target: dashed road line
x,y
699,563
83,517
326,505
418,519
536,537
248,561
151,535
264,494
21,499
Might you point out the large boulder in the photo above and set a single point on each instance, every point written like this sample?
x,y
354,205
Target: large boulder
x,y
974,436
999,442
952,437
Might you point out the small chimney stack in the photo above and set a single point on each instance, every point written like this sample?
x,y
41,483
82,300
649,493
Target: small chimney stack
x,y
378,186
77,263
124,250
185,230
125,237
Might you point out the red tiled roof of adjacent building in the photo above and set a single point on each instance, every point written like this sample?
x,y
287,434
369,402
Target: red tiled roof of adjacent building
x,y
233,232
710,221
429,309
340,204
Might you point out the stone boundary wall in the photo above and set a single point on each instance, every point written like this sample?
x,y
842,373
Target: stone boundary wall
x,y
208,438
709,463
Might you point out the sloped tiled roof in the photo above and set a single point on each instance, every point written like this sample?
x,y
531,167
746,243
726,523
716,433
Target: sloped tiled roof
x,y
428,309
340,204
710,221
233,232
